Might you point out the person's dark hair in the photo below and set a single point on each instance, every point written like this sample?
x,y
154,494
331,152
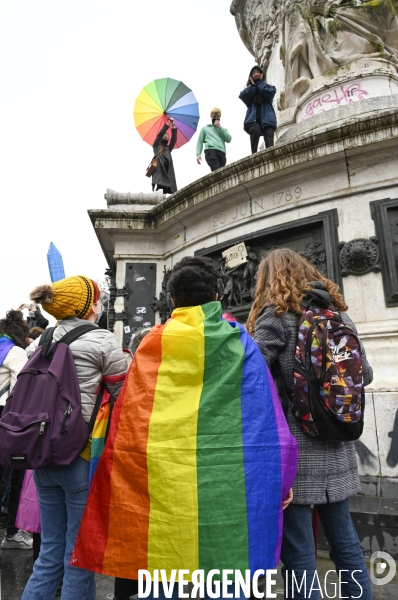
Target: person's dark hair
x,y
255,68
193,281
15,327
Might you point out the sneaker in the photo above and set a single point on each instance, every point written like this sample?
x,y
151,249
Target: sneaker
x,y
20,541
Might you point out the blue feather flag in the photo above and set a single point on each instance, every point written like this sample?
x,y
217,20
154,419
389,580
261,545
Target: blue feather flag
x,y
55,263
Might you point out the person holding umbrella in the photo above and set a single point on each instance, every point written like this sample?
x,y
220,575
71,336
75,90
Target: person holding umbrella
x,y
163,177
260,117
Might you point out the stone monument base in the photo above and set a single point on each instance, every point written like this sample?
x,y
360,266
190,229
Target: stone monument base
x,y
328,190
339,89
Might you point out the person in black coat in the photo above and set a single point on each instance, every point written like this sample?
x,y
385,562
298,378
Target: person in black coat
x,y
260,116
164,178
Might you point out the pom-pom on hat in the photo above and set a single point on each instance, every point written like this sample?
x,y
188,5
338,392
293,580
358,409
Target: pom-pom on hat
x,y
69,297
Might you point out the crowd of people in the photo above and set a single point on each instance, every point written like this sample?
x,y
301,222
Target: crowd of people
x,y
260,121
175,422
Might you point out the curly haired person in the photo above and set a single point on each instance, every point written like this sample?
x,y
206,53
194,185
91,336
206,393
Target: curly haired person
x,y
327,471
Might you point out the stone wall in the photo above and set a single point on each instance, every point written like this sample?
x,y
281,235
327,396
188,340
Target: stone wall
x,y
339,169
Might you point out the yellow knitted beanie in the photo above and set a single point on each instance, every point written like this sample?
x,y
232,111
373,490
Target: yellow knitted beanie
x,y
69,297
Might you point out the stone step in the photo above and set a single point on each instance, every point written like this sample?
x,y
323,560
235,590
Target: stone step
x,y
386,487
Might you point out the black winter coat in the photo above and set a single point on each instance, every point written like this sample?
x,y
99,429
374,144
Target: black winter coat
x,y
164,175
267,92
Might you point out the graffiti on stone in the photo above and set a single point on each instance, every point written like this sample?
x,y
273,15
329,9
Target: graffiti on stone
x,y
392,456
340,95
365,456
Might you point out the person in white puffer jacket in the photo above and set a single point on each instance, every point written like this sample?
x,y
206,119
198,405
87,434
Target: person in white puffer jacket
x,y
63,491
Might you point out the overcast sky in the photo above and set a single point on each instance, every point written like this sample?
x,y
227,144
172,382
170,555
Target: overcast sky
x,y
70,72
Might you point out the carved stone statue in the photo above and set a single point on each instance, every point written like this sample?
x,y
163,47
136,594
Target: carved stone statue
x,y
250,270
307,38
232,288
164,304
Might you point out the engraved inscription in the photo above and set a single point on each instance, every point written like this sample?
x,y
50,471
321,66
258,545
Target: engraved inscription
x,y
259,205
286,195
232,215
219,220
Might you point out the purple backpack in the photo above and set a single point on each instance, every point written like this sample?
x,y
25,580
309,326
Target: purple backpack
x,y
42,423
328,399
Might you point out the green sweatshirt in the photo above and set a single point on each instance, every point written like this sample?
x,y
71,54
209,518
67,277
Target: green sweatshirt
x,y
213,138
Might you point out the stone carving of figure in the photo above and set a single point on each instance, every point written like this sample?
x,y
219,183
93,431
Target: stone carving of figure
x,y
250,270
312,37
164,305
232,288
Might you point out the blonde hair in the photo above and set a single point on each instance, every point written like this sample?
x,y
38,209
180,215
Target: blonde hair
x,y
215,110
282,281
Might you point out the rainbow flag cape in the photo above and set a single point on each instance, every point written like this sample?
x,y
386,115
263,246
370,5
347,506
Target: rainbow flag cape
x,y
198,458
98,434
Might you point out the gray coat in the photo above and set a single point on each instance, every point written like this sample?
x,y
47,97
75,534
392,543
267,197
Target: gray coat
x,y
97,355
164,175
327,471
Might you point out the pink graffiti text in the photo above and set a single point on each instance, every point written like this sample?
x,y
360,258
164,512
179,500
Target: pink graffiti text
x,y
337,97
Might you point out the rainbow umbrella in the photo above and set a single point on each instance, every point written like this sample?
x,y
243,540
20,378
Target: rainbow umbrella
x,y
166,98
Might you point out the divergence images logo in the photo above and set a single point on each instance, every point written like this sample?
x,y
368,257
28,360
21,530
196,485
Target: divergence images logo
x,y
382,563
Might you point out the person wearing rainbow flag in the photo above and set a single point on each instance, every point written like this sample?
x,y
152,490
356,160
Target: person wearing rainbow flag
x,y
199,462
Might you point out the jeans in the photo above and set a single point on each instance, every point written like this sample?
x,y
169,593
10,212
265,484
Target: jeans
x,y
255,132
63,493
298,551
215,159
231,590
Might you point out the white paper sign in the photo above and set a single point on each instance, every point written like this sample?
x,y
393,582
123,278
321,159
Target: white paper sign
x,y
236,255
127,329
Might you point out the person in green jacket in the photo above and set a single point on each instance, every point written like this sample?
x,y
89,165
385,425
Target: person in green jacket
x,y
213,137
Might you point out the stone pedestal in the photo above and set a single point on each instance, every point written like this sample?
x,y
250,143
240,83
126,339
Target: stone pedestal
x,y
360,81
324,189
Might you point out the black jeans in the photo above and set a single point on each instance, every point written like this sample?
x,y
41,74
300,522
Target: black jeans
x,y
124,588
36,545
17,476
215,159
255,132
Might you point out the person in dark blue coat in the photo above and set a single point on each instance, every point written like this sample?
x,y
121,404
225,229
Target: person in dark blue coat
x,y
260,116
